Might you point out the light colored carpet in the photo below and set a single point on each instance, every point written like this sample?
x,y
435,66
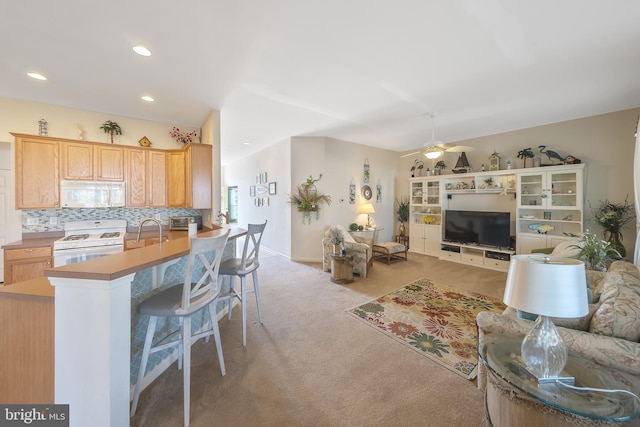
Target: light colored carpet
x,y
310,364
434,319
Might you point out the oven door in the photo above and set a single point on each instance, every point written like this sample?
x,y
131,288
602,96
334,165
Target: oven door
x,y
69,256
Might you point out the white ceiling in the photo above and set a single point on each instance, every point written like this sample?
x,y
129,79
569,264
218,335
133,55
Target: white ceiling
x,y
366,71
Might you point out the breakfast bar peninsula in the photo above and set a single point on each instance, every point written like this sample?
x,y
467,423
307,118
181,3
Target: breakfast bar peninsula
x,y
94,306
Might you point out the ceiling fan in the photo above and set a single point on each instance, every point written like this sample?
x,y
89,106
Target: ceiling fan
x,y
434,149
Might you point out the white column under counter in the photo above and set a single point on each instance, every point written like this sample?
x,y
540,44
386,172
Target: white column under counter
x,y
93,329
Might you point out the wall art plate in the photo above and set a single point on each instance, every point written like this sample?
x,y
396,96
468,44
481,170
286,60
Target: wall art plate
x,y
366,192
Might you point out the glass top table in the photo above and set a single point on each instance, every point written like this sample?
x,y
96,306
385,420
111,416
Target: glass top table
x,y
501,355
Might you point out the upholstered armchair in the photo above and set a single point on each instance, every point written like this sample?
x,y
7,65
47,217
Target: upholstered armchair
x,y
358,247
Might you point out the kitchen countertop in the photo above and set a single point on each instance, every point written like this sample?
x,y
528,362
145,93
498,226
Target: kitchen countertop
x,y
116,265
47,239
119,265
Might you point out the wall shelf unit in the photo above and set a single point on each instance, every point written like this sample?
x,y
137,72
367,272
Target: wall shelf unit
x,y
494,182
425,215
547,201
549,206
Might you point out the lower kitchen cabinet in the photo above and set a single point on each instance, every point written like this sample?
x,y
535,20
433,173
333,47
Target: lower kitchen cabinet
x,y
132,244
26,263
27,343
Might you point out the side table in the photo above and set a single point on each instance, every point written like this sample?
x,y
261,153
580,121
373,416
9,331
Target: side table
x,y
402,239
514,398
342,269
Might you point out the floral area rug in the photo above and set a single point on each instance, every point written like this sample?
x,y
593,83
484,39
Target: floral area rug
x,y
436,320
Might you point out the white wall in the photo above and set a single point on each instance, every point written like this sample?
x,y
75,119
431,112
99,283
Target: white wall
x,y
290,163
276,162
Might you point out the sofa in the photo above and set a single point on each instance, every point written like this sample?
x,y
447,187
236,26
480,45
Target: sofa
x,y
609,335
358,247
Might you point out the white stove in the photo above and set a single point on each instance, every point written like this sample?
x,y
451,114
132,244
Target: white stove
x,y
84,240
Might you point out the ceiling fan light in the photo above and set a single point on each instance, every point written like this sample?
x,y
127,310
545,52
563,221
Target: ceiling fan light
x,y
141,50
433,154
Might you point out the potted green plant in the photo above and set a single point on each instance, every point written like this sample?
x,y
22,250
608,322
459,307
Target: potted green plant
x,y
613,217
336,238
440,165
112,128
307,199
403,214
488,182
597,254
525,154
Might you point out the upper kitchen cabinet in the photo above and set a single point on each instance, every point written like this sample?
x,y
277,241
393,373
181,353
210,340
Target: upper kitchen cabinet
x,y
86,161
189,174
199,174
146,177
176,179
109,163
37,173
76,161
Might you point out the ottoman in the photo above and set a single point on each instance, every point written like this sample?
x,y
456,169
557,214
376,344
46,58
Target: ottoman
x,y
389,251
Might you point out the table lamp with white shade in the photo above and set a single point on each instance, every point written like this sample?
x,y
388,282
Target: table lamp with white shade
x,y
367,208
549,287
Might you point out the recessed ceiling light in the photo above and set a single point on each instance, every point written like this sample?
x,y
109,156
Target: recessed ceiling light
x,y
148,98
141,50
246,143
36,76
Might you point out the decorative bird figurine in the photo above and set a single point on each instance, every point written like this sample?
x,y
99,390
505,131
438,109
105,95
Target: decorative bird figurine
x,y
550,154
542,228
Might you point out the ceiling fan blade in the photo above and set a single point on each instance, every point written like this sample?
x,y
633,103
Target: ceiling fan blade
x,y
459,149
410,154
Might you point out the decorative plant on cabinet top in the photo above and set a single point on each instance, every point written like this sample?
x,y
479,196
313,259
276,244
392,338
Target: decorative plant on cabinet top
x,y
403,214
525,154
111,128
307,199
183,138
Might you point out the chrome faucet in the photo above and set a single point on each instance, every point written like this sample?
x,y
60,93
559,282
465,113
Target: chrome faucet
x,y
147,220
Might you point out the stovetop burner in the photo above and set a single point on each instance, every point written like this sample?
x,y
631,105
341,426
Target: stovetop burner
x,y
91,234
110,235
76,237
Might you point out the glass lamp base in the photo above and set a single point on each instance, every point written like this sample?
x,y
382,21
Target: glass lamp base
x,y
543,352
564,377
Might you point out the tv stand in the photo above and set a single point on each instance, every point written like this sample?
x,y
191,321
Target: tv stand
x,y
477,255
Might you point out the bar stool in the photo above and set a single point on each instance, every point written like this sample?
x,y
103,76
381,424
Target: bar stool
x,y
241,267
183,301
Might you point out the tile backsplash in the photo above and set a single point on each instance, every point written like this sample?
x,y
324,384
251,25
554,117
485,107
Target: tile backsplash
x,y
38,221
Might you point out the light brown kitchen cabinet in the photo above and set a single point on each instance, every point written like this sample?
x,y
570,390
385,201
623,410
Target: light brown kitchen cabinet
x,y
199,174
109,163
146,177
76,160
92,162
132,244
189,174
37,173
27,342
26,263
176,179
154,178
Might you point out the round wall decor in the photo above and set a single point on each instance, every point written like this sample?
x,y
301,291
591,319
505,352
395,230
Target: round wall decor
x,y
366,192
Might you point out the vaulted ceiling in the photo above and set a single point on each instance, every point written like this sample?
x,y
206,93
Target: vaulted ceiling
x,y
369,72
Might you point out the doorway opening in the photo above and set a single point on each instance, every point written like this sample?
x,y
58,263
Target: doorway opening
x,y
232,194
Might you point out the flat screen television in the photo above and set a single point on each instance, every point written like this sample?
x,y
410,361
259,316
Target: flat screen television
x,y
478,228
